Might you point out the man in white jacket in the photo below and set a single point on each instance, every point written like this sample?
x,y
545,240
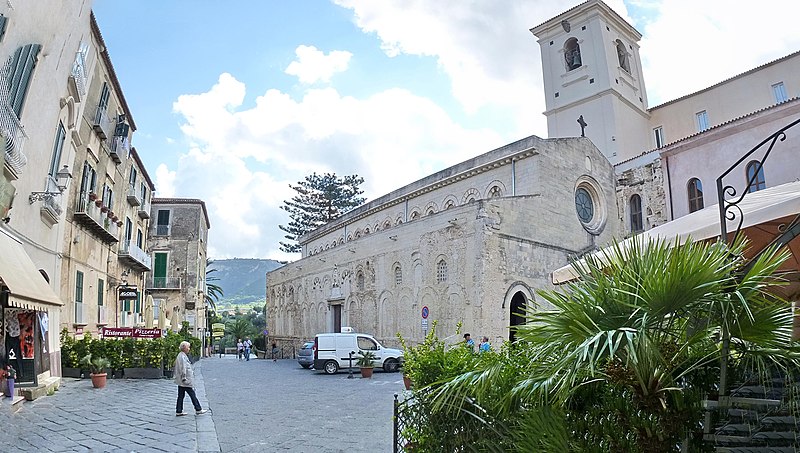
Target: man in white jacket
x,y
184,377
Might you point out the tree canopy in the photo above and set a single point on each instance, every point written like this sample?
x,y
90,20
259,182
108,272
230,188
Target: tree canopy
x,y
319,200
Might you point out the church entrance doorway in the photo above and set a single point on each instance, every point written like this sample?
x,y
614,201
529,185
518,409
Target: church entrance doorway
x,y
517,307
337,318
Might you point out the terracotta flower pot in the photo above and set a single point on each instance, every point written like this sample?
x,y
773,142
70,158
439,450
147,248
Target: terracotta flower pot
x,y
366,373
98,203
104,209
93,196
99,380
407,382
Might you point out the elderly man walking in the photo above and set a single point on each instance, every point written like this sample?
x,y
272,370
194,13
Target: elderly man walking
x,y
184,377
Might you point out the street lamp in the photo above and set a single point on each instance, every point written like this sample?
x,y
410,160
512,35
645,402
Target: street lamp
x,y
62,179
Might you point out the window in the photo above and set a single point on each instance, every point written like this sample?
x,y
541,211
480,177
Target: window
x,y
755,177
128,233
143,192
572,54
58,146
366,344
160,269
79,297
88,181
20,70
100,114
100,291
584,205
702,121
622,56
636,214
695,188
658,134
108,197
360,281
398,276
779,91
495,192
441,271
162,223
132,178
139,239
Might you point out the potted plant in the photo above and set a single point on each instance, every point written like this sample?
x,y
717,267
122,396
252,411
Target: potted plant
x,y
119,223
97,369
103,209
92,196
11,375
366,363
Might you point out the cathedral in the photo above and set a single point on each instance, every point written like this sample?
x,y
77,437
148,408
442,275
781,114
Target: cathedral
x,y
474,242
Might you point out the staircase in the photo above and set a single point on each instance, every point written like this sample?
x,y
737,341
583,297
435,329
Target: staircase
x,y
755,419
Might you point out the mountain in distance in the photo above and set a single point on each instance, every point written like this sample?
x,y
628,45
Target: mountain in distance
x,y
243,280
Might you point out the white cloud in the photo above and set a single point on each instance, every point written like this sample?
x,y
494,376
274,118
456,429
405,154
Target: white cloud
x,y
312,65
165,182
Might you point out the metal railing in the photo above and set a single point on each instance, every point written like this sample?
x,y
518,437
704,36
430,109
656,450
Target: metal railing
x,y
121,146
165,283
14,134
102,314
162,230
144,209
103,125
130,249
133,196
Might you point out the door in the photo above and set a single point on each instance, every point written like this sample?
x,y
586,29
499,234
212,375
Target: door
x,y
160,270
337,318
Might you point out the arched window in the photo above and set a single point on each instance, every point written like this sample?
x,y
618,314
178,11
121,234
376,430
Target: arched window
x,y
360,281
755,177
449,204
398,276
441,271
695,189
636,214
495,192
414,215
622,55
572,54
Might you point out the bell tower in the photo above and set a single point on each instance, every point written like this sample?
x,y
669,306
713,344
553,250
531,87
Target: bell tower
x,y
593,80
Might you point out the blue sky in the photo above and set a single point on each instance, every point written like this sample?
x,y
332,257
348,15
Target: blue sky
x,y
235,100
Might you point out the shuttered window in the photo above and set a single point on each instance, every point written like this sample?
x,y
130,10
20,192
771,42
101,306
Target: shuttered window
x,y
3,20
20,72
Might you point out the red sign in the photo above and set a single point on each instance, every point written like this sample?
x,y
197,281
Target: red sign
x,y
130,332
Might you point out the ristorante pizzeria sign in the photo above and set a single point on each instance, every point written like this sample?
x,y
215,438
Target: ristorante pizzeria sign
x,y
130,332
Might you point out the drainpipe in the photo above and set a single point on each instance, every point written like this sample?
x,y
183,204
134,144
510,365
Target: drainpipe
x,y
513,177
669,190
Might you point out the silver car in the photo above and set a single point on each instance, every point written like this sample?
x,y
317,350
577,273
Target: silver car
x,y
305,357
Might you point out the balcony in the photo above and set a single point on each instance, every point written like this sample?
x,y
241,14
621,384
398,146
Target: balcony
x,y
102,315
102,125
170,283
134,256
77,78
162,230
144,210
90,215
133,196
120,147
14,134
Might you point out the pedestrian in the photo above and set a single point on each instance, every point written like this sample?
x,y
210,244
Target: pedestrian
x,y
274,352
183,374
484,346
247,345
469,342
239,348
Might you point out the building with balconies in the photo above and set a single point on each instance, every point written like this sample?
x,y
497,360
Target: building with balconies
x,y
177,242
105,238
42,70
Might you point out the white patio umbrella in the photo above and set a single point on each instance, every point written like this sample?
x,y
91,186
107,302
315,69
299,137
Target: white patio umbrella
x,y
174,322
162,316
148,311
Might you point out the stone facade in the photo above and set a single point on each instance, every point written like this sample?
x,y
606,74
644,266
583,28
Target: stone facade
x,y
472,243
178,242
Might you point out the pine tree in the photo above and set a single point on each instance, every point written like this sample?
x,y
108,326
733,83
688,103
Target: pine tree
x,y
319,200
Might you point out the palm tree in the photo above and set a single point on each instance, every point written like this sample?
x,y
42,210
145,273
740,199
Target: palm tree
x,y
633,346
240,327
213,291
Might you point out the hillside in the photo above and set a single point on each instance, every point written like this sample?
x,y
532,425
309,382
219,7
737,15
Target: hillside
x,y
242,280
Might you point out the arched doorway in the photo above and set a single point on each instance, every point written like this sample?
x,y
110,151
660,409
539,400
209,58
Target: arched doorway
x,y
517,308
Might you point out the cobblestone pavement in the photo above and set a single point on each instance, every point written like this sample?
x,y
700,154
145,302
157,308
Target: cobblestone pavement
x,y
265,406
256,406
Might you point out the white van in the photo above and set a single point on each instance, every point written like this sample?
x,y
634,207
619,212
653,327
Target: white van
x,y
332,351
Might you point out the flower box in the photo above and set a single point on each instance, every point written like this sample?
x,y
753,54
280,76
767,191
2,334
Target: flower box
x,y
104,209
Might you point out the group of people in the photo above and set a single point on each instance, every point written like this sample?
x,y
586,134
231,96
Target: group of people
x,y
484,345
243,348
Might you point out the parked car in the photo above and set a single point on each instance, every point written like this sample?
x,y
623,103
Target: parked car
x,y
305,357
332,351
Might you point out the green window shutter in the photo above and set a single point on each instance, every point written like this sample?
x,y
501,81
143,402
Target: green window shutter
x,y
22,64
100,292
79,287
160,268
3,20
163,217
138,305
58,146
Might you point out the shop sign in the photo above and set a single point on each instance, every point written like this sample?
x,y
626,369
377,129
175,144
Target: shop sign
x,y
218,326
128,293
130,332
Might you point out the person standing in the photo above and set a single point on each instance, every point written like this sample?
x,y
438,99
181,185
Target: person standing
x,y
183,374
469,342
485,346
274,352
239,348
247,346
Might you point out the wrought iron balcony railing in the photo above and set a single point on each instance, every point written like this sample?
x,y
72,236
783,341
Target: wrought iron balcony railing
x,y
78,76
129,250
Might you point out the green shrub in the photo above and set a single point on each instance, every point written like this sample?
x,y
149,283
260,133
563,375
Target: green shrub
x,y
69,356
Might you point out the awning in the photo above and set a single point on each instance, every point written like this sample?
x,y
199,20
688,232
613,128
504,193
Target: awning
x,y
758,208
28,287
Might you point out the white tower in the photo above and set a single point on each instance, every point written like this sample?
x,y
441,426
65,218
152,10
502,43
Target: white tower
x,y
593,80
